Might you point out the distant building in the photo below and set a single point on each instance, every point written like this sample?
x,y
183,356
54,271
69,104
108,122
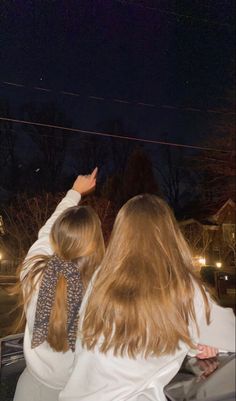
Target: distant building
x,y
212,238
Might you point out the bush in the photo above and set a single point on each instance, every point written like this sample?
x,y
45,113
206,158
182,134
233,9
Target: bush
x,y
207,274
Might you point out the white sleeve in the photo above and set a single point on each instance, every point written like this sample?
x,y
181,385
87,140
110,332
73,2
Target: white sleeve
x,y
220,333
42,244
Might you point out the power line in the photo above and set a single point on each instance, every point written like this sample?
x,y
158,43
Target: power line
x,y
123,101
176,14
115,136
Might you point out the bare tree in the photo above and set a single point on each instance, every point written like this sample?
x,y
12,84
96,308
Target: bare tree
x,y
52,143
24,217
22,220
106,210
197,236
217,169
8,139
119,149
229,243
87,152
175,177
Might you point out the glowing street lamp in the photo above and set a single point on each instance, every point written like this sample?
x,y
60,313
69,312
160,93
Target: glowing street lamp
x,y
202,261
219,265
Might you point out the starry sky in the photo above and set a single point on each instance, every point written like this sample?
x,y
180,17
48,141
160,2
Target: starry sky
x,y
160,67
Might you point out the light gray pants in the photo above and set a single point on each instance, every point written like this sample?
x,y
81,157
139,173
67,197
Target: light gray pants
x,y
30,389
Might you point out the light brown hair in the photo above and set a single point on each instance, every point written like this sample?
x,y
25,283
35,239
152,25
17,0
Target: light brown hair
x,y
75,236
142,299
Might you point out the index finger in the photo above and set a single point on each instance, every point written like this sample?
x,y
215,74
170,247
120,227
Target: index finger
x,y
94,173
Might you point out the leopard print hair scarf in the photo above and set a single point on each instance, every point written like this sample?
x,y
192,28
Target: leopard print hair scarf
x,y
54,269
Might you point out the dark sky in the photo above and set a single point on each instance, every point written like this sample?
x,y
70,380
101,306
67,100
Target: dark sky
x,y
158,52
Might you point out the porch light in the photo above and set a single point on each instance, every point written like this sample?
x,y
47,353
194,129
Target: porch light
x,y
202,261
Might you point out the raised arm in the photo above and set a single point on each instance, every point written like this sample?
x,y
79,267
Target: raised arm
x,y
83,185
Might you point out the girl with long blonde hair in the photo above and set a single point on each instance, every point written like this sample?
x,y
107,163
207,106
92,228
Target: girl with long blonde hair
x,y
143,310
54,277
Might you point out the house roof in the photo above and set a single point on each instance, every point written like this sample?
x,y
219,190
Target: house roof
x,y
204,215
204,224
229,202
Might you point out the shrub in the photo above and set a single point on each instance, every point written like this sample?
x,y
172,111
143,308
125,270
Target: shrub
x,y
207,274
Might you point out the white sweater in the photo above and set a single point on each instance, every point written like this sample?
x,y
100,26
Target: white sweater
x,y
99,377
49,367
92,376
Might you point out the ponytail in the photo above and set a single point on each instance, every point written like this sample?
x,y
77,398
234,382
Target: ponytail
x,y
57,328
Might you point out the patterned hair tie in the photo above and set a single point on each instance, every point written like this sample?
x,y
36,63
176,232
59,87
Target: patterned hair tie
x,y
54,268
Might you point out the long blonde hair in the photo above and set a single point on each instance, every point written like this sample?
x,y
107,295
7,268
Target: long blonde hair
x,y
76,236
142,298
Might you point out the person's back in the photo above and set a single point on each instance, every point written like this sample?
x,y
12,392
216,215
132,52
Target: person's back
x,y
143,311
54,277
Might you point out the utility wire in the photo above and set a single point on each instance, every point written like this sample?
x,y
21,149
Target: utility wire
x,y
124,101
115,136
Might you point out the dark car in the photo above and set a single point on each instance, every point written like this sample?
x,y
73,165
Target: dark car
x,y
197,380
12,364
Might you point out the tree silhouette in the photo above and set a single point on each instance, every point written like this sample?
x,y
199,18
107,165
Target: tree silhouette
x,y
119,149
217,169
51,142
176,178
9,160
137,177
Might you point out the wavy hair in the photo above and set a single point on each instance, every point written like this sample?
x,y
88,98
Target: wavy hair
x,y
142,298
75,236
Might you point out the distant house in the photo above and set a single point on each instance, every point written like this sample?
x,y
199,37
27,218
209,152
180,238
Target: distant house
x,y
213,237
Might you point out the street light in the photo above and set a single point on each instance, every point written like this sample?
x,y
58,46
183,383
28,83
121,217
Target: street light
x,y
202,261
218,265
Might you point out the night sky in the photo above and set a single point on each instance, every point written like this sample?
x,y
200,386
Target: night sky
x,y
170,55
